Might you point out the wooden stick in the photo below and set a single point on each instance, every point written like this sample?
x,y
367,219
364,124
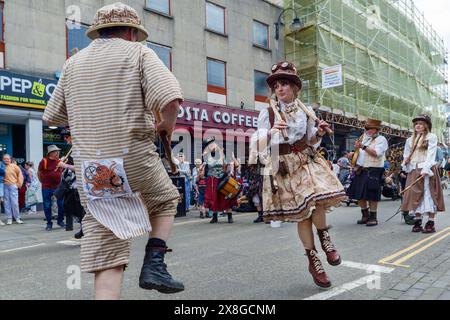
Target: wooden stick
x,y
412,184
279,118
313,116
66,158
166,145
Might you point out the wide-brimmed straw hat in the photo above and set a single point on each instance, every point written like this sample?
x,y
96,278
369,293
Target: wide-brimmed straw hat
x,y
116,15
372,124
425,118
286,71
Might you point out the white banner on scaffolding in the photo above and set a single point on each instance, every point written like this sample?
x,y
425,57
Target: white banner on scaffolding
x,y
332,77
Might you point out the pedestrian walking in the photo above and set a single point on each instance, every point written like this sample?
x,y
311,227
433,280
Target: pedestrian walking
x,y
425,196
13,180
110,94
31,196
299,186
49,175
366,186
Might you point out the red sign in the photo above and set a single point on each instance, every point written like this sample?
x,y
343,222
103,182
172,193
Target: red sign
x,y
218,117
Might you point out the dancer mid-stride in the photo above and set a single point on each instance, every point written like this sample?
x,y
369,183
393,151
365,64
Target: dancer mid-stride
x,y
424,195
303,188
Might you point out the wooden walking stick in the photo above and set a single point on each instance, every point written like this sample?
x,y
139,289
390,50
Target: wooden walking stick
x,y
166,145
404,191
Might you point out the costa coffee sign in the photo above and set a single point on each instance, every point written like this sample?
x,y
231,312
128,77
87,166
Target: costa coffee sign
x,y
213,116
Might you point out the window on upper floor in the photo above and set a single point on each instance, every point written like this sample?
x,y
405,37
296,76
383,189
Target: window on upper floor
x,y
261,87
260,34
162,6
76,37
163,52
217,81
215,18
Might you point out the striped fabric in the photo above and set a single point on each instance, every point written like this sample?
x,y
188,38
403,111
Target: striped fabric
x,y
106,94
126,216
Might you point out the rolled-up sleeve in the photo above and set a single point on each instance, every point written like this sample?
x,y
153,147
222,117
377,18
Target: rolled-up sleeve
x,y
56,111
160,87
381,146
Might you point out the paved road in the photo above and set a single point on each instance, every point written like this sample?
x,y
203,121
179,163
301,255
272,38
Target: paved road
x,y
230,261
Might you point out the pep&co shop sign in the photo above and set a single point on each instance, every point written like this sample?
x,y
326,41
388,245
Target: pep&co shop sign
x,y
23,91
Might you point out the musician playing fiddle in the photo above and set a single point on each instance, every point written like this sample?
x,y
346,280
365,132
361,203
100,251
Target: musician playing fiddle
x,y
370,155
301,187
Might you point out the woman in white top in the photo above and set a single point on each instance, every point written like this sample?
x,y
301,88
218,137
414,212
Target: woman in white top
x,y
425,197
298,184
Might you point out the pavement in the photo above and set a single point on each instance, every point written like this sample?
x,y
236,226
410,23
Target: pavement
x,y
242,260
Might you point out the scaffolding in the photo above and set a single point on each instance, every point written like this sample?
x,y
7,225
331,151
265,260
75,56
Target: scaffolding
x,y
394,64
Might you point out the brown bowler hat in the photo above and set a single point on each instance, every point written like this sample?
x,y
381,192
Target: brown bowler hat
x,y
372,124
284,70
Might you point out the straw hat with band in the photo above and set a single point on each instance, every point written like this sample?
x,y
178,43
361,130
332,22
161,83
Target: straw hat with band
x,y
425,118
372,124
284,71
116,15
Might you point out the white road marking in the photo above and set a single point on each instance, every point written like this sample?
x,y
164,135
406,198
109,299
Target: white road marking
x,y
341,289
367,267
69,242
23,248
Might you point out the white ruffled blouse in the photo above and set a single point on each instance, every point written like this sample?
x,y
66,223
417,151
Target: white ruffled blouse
x,y
430,159
298,125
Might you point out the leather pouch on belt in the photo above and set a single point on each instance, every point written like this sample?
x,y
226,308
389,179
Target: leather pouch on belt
x,y
283,169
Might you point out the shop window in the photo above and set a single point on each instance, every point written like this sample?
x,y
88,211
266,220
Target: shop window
x,y
217,83
215,18
2,36
261,90
163,52
260,34
162,6
76,37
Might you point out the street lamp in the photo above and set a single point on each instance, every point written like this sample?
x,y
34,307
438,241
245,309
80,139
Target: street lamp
x,y
295,25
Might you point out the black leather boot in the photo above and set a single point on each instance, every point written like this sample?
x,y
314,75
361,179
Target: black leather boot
x,y
365,216
214,218
372,222
154,273
260,218
230,217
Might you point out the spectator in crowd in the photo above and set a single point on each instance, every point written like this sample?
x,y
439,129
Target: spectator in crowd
x,y
195,172
31,196
13,180
49,175
2,176
24,187
344,167
336,168
185,171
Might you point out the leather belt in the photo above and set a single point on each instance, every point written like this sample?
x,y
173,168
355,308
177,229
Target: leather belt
x,y
297,147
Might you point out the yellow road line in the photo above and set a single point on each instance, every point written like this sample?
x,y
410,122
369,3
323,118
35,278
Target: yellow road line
x,y
412,254
399,253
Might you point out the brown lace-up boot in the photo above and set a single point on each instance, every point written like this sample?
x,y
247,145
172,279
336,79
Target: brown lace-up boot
x,y
365,216
316,269
372,222
328,247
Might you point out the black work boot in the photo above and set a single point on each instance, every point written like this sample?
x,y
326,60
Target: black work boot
x,y
214,218
154,273
230,217
365,216
372,222
260,218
